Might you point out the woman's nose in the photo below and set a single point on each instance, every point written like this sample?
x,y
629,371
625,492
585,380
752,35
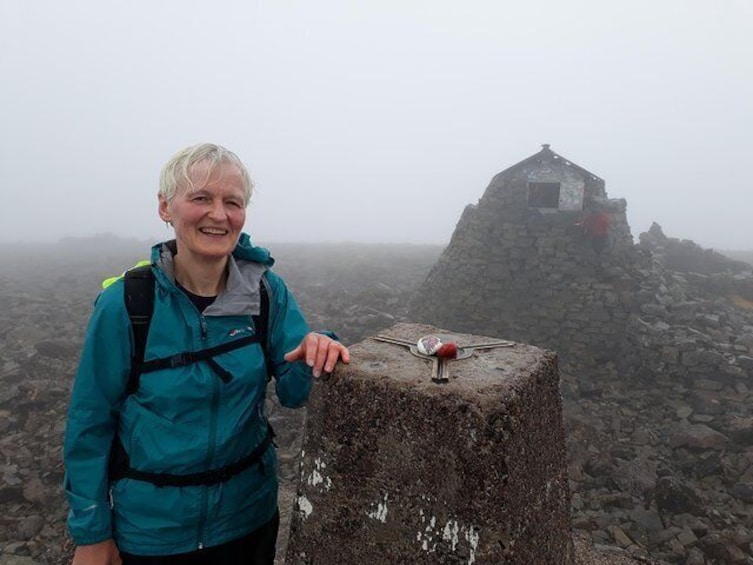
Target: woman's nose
x,y
218,210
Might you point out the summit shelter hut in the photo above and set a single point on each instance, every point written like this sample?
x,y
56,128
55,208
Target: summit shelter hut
x,y
523,265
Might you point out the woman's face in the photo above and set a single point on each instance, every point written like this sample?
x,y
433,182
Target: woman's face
x,y
208,220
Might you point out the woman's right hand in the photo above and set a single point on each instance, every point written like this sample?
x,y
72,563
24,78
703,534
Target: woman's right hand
x,y
102,553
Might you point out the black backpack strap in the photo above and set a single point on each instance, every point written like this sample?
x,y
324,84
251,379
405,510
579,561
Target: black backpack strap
x,y
139,302
189,357
203,478
138,295
261,324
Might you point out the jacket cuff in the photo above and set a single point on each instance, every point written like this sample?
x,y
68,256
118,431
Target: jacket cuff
x,y
89,540
330,334
88,522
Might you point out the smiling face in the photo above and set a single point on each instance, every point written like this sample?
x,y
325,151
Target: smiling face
x,y
208,215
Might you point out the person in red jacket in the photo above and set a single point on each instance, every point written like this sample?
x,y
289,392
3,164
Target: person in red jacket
x,y
596,223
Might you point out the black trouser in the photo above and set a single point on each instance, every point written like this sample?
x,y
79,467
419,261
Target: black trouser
x,y
257,548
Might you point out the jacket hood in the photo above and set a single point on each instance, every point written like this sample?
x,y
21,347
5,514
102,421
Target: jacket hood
x,y
247,251
244,250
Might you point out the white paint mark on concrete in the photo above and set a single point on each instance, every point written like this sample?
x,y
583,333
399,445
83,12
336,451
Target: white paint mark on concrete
x,y
426,537
381,511
472,536
304,506
453,533
450,533
317,476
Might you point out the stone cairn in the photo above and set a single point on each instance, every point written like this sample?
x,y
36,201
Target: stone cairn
x,y
531,273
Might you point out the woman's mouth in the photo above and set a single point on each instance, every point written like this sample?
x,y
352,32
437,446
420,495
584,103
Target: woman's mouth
x,y
213,231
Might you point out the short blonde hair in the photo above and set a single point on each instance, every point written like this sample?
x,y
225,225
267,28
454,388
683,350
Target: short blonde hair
x,y
178,168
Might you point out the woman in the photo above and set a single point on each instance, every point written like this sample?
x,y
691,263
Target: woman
x,y
201,421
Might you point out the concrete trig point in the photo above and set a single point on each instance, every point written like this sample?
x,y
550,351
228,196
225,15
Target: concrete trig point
x,y
397,468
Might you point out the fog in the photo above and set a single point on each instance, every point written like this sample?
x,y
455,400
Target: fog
x,y
373,121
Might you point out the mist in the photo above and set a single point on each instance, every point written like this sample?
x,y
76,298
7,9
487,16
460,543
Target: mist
x,y
373,122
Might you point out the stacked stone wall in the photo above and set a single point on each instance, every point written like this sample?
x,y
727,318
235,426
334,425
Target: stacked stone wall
x,y
663,307
533,275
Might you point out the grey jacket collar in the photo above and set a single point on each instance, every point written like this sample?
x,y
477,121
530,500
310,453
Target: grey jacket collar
x,y
241,295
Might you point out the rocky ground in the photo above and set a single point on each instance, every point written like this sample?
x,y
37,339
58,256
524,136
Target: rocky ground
x,y
660,469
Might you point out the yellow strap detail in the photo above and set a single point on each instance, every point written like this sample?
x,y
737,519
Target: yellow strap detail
x,y
108,282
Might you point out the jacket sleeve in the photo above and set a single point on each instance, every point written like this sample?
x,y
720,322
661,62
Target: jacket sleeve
x,y
98,391
287,329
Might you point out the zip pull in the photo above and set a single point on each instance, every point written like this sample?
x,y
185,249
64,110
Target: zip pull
x,y
203,325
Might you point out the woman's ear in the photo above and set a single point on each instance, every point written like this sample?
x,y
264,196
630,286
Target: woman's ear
x,y
164,213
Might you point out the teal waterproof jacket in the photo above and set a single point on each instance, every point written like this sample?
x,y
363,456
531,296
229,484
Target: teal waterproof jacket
x,y
180,420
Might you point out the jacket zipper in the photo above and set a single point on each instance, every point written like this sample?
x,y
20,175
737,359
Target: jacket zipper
x,y
212,443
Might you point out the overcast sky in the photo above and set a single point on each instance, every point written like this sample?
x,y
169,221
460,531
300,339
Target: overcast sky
x,y
374,121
